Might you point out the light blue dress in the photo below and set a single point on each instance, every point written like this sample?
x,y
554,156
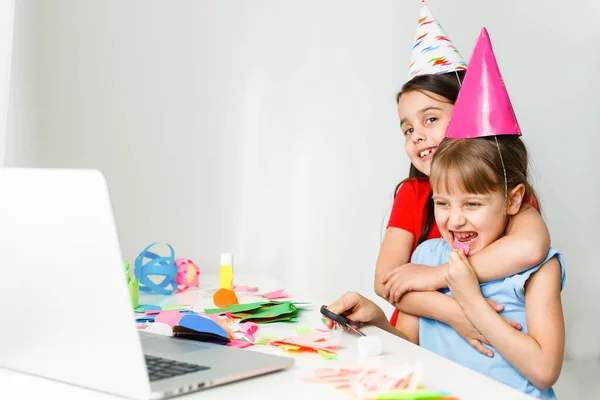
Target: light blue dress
x,y
509,292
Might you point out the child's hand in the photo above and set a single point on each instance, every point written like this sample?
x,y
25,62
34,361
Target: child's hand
x,y
407,278
461,278
356,308
467,331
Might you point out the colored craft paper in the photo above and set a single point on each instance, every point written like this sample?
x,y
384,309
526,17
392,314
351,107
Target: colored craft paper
x,y
169,317
289,347
186,333
145,318
142,308
314,340
266,339
225,327
179,307
134,287
245,331
291,318
146,307
245,288
278,312
423,394
328,356
249,327
244,336
236,308
277,294
302,330
224,297
392,382
240,344
203,325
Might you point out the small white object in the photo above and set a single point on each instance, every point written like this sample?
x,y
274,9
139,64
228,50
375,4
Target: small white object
x,y
369,346
159,328
226,259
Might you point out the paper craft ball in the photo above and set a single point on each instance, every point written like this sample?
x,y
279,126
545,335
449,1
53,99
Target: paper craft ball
x,y
187,274
156,273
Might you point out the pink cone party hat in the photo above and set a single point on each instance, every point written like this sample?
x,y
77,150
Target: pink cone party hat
x,y
433,52
483,107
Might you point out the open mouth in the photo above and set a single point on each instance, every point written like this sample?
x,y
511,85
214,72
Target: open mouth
x,y
464,237
426,153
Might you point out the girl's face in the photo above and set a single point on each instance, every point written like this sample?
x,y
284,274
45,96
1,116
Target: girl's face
x,y
424,117
476,220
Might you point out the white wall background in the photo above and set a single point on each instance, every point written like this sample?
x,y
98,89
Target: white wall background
x,y
268,128
6,40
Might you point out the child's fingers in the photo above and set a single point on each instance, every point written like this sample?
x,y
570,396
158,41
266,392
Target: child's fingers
x,y
388,276
481,348
399,290
514,324
457,259
453,256
389,287
344,303
495,305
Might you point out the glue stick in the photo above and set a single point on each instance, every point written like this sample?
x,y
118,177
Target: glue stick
x,y
226,271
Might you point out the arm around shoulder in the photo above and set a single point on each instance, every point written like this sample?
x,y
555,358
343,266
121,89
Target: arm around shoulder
x,y
530,229
525,245
395,250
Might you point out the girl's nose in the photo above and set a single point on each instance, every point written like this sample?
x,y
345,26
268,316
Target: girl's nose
x,y
418,135
457,220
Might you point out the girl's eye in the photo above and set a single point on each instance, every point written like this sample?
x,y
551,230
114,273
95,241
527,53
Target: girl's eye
x,y
408,131
440,204
473,204
430,120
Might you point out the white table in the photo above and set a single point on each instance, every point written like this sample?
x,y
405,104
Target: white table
x,y
439,373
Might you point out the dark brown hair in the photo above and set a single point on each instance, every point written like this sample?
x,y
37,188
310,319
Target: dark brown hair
x,y
444,85
478,165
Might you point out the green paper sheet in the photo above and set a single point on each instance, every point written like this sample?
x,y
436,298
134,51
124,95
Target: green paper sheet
x,y
236,308
278,312
266,339
171,308
302,330
283,318
327,356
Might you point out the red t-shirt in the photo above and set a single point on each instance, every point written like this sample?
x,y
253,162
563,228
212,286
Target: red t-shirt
x,y
408,211
409,208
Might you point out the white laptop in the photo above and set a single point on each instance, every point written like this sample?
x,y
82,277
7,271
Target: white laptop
x,y
66,311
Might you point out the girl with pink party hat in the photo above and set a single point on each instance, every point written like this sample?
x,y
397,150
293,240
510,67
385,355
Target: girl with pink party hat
x,y
479,180
424,107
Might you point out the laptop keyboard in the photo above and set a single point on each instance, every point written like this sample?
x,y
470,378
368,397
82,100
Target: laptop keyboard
x,y
162,368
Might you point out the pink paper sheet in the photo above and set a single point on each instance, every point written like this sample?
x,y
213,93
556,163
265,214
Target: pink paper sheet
x,y
314,340
171,317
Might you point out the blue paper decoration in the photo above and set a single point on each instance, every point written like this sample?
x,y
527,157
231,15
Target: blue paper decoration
x,y
148,264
